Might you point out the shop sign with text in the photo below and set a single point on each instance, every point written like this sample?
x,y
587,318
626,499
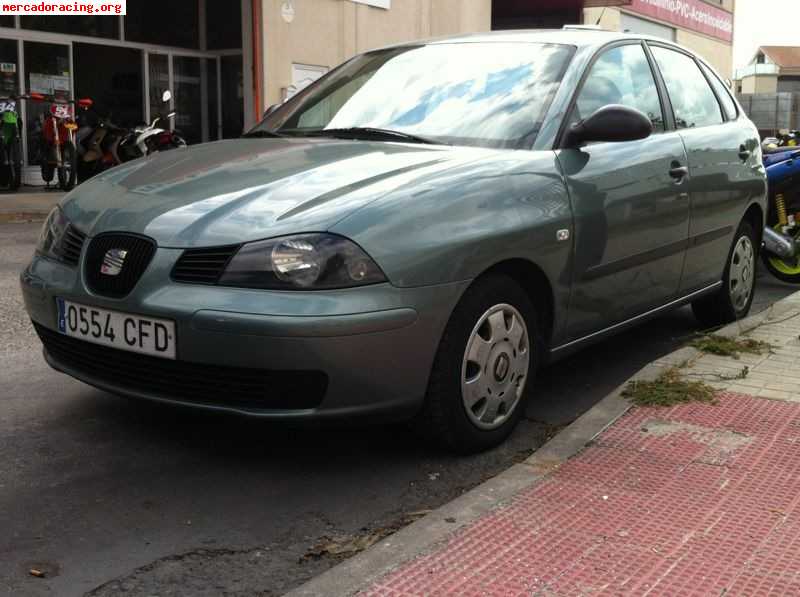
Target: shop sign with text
x,y
695,15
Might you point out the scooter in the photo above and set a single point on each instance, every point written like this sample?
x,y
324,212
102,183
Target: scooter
x,y
144,140
97,147
781,254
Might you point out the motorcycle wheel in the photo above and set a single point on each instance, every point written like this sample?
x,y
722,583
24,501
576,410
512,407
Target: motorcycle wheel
x,y
15,166
47,171
67,172
786,270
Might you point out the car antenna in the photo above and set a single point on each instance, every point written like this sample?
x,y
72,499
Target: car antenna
x,y
600,18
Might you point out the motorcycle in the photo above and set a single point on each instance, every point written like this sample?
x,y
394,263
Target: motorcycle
x,y
57,151
11,141
97,147
147,139
781,254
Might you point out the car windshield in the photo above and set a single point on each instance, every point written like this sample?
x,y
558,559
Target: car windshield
x,y
480,94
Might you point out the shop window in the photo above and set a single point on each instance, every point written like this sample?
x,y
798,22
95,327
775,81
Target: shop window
x,y
212,104
46,71
159,83
172,23
223,25
9,61
7,22
188,100
232,97
112,77
78,25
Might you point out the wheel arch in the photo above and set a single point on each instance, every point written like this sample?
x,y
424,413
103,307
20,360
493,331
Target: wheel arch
x,y
757,219
536,285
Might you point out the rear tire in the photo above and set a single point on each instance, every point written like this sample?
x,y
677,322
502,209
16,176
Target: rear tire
x,y
734,299
483,373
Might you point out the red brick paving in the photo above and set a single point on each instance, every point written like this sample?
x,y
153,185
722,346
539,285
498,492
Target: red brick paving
x,y
691,500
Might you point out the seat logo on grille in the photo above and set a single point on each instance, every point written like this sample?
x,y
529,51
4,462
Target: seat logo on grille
x,y
113,261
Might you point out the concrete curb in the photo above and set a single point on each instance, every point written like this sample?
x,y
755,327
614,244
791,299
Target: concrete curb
x,y
424,535
28,206
22,216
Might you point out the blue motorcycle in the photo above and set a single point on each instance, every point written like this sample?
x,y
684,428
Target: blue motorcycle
x,y
781,253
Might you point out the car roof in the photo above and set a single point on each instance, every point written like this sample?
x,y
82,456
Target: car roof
x,y
569,36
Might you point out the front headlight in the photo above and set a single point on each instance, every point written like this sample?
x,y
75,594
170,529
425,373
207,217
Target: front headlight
x,y
302,262
52,234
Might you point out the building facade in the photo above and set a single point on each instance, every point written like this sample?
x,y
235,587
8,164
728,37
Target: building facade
x,y
303,39
226,61
773,69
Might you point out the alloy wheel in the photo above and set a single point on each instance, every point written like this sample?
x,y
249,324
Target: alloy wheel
x,y
495,367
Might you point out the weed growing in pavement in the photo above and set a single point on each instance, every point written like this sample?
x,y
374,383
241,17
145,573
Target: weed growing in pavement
x,y
730,347
668,389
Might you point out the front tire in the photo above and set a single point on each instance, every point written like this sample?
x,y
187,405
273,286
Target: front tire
x,y
733,301
483,372
68,171
15,165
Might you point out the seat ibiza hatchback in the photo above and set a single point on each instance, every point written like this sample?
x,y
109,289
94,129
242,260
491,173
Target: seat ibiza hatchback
x,y
412,236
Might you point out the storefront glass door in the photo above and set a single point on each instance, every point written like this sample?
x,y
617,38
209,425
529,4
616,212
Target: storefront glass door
x,y
9,67
188,100
47,71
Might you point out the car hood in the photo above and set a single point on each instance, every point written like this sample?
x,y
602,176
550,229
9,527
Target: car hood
x,y
246,189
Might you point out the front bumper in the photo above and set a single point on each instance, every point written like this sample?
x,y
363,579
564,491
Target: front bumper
x,y
373,346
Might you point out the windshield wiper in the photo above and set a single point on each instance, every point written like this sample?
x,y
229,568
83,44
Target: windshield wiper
x,y
261,134
367,133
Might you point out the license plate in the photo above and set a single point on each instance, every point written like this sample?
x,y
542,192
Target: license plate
x,y
146,335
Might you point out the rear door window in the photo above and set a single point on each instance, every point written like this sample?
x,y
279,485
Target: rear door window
x,y
693,102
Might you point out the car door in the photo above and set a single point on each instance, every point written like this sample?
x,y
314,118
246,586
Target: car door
x,y
629,202
722,152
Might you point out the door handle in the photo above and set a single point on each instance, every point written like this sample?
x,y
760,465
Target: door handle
x,y
744,154
679,173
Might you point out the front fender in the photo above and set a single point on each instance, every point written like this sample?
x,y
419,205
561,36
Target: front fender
x,y
454,225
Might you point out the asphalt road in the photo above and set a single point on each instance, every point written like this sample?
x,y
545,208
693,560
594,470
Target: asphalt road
x,y
108,496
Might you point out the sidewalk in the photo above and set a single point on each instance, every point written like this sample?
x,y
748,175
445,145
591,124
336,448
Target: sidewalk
x,y
28,205
696,499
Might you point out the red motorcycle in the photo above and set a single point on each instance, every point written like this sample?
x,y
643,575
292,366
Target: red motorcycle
x,y
57,150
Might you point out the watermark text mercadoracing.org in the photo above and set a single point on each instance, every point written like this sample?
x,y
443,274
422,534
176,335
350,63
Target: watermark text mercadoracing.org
x,y
84,7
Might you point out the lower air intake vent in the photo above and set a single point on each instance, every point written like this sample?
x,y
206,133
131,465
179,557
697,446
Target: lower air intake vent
x,y
199,383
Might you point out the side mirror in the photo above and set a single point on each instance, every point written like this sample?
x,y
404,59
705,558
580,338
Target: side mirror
x,y
271,109
610,124
166,96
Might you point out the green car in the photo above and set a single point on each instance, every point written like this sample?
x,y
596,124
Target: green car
x,y
412,236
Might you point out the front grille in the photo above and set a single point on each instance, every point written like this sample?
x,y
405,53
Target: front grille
x,y
203,266
237,387
140,251
69,249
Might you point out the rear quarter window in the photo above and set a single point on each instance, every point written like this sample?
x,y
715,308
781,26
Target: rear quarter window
x,y
728,105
